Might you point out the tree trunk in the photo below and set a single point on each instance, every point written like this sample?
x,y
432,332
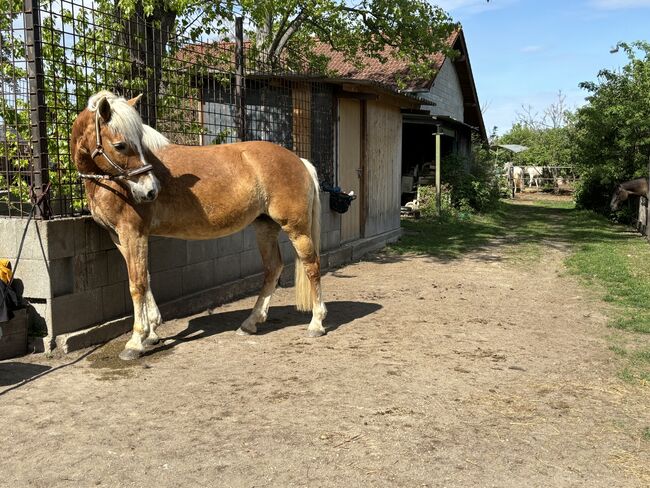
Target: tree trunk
x,y
146,43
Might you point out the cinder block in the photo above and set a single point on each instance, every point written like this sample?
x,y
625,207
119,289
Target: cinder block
x,y
288,252
90,271
167,254
76,311
87,235
231,244
340,256
45,280
37,313
113,300
324,262
251,263
116,267
287,277
250,239
197,277
35,244
8,248
93,335
198,251
227,269
60,238
167,285
105,240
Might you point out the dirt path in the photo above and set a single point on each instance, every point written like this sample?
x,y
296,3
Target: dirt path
x,y
468,373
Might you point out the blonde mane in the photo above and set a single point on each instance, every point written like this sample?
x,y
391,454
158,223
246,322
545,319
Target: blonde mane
x,y
125,120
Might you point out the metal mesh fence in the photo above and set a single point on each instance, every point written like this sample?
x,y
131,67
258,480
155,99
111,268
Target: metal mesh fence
x,y
55,54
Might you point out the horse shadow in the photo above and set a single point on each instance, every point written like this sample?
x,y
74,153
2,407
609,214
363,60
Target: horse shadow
x,y
280,317
12,372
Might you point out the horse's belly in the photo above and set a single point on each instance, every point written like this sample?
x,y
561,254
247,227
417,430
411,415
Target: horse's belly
x,y
204,223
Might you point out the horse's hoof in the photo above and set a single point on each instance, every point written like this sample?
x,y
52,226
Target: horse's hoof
x,y
315,332
245,332
151,341
130,354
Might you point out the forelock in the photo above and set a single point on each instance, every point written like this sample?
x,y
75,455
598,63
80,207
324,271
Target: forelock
x,y
124,120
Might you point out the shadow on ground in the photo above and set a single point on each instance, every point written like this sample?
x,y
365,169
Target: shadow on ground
x,y
339,314
512,222
13,372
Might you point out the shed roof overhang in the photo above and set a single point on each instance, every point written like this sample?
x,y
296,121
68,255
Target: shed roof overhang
x,y
423,117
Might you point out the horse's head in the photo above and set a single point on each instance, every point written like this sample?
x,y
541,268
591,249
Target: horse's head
x,y
619,196
107,143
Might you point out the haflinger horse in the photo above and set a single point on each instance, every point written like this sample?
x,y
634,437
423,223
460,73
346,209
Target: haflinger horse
x,y
139,184
638,187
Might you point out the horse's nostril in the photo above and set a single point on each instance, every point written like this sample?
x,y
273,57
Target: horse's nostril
x,y
151,195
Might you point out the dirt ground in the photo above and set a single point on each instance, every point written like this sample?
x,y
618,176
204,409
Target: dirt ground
x,y
476,372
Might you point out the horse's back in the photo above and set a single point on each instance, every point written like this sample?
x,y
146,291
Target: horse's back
x,y
215,190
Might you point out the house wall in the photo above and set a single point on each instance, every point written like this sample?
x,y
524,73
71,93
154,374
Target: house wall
x,y
446,93
383,163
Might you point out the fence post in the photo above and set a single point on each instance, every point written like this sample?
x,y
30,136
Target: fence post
x,y
240,99
37,109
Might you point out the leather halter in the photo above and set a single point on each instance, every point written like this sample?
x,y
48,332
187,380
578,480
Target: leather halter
x,y
99,150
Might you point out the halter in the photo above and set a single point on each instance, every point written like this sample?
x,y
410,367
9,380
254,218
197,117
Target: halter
x,y
99,150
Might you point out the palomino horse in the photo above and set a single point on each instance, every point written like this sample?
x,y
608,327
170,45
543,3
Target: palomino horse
x,y
622,192
139,184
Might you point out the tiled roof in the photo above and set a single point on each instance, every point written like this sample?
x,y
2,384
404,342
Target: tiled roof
x,y
374,70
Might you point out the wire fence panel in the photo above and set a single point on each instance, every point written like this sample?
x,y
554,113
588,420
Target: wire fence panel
x,y
55,54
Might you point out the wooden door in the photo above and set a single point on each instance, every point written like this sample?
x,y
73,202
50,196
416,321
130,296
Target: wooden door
x,y
350,165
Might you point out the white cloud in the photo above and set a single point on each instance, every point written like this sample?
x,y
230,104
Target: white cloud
x,y
619,4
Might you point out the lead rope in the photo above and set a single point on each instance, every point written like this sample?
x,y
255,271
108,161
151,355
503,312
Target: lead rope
x,y
36,201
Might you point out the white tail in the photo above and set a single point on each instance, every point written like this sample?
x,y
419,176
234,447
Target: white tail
x,y
303,286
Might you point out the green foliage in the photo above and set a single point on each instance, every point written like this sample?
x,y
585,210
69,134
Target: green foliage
x,y
612,131
105,54
473,184
414,30
546,146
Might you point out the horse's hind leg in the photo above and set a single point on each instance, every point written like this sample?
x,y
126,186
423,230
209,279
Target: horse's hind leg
x,y
266,231
310,260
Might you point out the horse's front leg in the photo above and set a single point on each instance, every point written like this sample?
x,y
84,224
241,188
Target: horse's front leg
x,y
153,315
134,247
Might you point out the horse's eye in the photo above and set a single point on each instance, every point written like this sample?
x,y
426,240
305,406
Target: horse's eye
x,y
120,146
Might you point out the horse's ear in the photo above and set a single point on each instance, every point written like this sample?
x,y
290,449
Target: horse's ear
x,y
133,102
104,108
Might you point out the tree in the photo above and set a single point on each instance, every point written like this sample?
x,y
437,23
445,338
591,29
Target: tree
x,y
612,131
547,135
413,30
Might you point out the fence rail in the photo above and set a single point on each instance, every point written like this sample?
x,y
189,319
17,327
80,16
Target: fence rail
x,y
55,54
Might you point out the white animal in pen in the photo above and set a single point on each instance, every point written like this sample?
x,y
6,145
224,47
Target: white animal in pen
x,y
534,175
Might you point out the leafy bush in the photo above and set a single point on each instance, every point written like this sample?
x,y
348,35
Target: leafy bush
x,y
473,190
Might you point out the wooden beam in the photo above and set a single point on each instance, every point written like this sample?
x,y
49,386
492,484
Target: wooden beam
x,y
356,95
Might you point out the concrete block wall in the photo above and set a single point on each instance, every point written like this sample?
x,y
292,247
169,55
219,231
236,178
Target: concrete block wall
x,y
75,278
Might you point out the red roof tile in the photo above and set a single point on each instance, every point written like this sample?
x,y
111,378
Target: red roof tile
x,y
372,69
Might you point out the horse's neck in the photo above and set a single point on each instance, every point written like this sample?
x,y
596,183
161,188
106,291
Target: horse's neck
x,y
638,186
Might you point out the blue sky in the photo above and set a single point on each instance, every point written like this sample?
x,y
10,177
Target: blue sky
x,y
523,51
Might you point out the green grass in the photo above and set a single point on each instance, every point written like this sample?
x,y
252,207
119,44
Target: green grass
x,y
646,434
606,257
